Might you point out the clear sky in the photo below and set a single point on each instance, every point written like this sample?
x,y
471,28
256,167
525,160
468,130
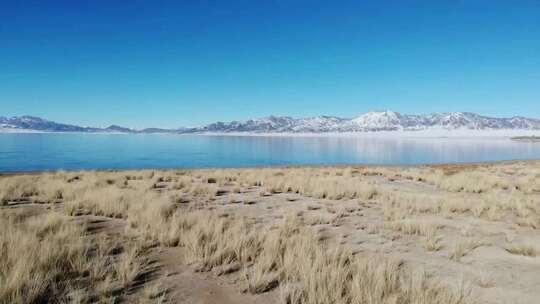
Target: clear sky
x,y
183,63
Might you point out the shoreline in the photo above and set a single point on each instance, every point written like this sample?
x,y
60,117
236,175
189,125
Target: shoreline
x,y
333,166
398,134
526,138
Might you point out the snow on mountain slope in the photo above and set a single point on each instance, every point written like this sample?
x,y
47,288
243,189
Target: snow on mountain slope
x,y
386,120
40,124
318,124
372,121
368,122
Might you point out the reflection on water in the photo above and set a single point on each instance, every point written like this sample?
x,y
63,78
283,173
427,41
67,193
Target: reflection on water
x,y
25,152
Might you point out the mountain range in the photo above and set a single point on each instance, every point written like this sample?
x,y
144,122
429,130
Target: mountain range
x,y
368,122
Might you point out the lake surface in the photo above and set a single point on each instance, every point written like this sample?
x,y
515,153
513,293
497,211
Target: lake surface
x,y
30,152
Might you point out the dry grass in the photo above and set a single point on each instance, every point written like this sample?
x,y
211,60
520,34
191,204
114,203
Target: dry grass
x,y
153,294
175,208
313,182
41,256
522,249
464,247
309,271
432,241
413,227
47,258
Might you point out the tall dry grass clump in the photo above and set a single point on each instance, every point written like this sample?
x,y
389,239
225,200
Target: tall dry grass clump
x,y
42,258
48,258
17,188
306,270
522,249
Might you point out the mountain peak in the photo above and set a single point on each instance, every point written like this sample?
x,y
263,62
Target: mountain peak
x,y
379,120
367,122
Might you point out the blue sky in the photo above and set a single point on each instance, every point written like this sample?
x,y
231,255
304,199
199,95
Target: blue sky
x,y
182,63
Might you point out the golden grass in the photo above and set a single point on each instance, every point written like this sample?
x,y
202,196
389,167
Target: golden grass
x,y
39,257
277,258
464,247
522,249
413,227
169,208
16,188
47,258
432,241
153,294
313,182
497,193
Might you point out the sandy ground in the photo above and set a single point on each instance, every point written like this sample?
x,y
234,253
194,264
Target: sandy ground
x,y
490,271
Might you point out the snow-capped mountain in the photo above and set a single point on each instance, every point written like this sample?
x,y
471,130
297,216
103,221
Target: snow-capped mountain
x,y
373,121
274,124
40,124
368,122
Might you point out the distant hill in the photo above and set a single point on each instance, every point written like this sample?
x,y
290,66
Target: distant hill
x,y
368,122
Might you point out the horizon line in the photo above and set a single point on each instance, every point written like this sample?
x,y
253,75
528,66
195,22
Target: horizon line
x,y
109,125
